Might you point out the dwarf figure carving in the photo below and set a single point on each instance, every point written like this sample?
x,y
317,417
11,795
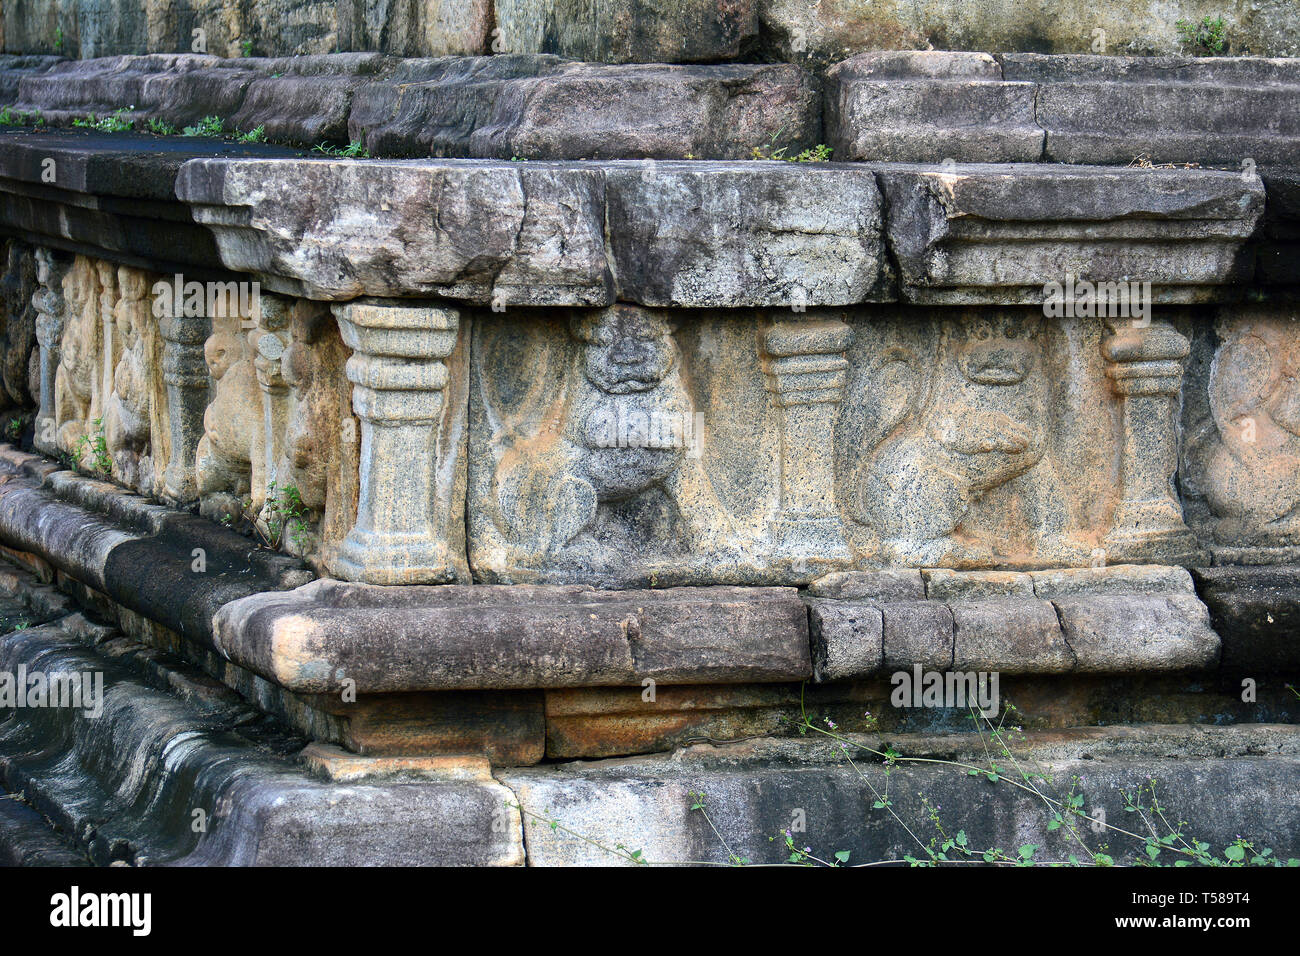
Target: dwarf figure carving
x,y
321,441
230,458
75,398
128,407
979,423
611,468
1247,457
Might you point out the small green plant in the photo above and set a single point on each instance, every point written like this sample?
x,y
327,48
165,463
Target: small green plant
x,y
118,121
285,513
92,449
12,117
162,127
22,625
255,135
245,47
354,149
58,39
1207,37
210,126
14,430
769,150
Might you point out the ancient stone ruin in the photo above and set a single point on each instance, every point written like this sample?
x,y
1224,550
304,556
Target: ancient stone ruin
x,y
445,429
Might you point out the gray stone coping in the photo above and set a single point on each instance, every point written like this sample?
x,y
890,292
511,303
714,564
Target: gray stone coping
x,y
711,235
685,234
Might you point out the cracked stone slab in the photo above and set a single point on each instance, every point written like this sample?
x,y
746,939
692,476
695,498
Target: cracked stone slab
x,y
547,234
480,231
1116,634
514,636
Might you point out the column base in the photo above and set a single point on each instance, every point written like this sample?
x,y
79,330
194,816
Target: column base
x,y
374,558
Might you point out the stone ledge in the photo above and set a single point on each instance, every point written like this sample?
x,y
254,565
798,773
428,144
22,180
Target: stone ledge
x,y
537,107
1107,621
129,781
1228,782
971,234
1023,107
462,637
112,193
139,554
667,234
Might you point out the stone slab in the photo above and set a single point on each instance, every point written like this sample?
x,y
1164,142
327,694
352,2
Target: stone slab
x,y
491,636
1256,611
1122,633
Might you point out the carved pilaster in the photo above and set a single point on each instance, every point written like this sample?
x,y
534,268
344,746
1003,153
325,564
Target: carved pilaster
x,y
1145,367
806,372
50,308
398,377
185,374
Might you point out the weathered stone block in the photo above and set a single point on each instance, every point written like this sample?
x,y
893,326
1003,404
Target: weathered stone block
x,y
917,632
1256,611
927,107
486,232
847,639
718,235
420,638
1019,636
884,585
542,107
945,585
949,230
1118,633
1118,579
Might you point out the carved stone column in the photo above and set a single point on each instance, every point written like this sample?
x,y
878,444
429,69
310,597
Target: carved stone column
x,y
398,377
806,372
49,304
185,374
269,341
1145,366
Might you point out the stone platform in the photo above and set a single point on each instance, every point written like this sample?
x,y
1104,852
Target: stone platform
x,y
547,448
